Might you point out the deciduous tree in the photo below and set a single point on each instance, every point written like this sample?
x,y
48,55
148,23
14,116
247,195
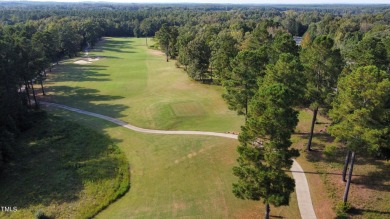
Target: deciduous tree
x,y
198,58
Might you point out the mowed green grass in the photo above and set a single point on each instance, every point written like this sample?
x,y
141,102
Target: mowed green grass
x,y
175,176
134,84
171,176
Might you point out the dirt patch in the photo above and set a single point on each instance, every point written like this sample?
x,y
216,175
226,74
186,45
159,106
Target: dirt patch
x,y
177,207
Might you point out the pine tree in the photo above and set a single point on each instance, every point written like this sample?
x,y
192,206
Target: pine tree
x,y
264,152
322,65
361,112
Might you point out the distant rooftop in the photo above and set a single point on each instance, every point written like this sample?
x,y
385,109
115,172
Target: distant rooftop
x,y
298,40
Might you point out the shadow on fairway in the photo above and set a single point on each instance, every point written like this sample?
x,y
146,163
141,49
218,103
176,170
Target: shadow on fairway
x,y
80,97
56,161
86,99
75,72
117,46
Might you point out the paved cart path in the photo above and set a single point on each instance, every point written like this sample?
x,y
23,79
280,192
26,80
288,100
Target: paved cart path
x,y
301,186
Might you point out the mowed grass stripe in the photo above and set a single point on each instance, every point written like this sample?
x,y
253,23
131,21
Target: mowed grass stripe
x,y
132,83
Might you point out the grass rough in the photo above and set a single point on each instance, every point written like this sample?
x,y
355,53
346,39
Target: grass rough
x,y
63,170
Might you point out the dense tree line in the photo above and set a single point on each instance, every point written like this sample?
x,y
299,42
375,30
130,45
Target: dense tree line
x,y
341,67
27,51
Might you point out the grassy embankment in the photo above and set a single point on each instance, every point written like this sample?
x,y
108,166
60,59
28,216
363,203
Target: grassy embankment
x,y
171,176
61,170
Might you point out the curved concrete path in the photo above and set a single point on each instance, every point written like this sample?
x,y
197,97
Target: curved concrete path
x,y
301,186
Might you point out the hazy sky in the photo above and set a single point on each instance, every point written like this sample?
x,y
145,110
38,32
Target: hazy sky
x,y
237,1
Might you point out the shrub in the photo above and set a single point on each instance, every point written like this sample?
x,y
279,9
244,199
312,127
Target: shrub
x,y
177,64
342,209
40,214
330,150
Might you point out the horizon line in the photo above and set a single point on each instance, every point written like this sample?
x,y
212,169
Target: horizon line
x,y
188,2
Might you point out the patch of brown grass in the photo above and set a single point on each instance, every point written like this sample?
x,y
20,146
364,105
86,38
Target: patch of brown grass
x,y
156,52
370,189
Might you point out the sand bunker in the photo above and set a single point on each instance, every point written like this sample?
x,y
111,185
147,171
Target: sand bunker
x,y
93,59
86,61
82,62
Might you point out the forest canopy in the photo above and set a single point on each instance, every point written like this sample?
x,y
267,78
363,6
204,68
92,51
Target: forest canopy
x,y
271,60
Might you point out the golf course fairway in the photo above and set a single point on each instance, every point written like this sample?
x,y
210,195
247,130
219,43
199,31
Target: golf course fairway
x,y
171,176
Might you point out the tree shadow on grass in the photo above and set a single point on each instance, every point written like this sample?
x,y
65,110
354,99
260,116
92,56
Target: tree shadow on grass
x,y
377,179
115,46
319,150
53,163
85,99
322,137
358,211
75,72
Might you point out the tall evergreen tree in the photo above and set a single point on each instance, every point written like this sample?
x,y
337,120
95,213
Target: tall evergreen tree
x,y
264,152
288,71
370,51
322,66
224,49
361,111
241,83
282,43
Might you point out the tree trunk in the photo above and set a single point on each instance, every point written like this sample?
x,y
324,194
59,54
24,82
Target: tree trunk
x,y
211,72
2,156
246,108
43,90
167,52
33,92
146,41
345,198
267,210
313,122
27,94
347,159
